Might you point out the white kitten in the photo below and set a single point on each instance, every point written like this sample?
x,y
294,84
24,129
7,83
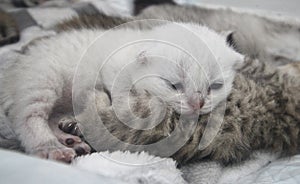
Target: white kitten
x,y
41,82
193,83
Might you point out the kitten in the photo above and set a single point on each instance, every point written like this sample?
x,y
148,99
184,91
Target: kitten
x,y
262,113
40,84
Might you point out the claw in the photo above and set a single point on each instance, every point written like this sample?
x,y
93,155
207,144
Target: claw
x,y
70,141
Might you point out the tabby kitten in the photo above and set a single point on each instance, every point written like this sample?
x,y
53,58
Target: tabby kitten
x,y
262,112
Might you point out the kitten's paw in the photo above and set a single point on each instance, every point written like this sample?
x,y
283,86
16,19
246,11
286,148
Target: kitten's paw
x,y
70,126
82,149
62,154
230,153
71,136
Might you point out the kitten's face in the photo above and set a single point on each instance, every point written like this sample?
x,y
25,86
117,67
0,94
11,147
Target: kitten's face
x,y
190,85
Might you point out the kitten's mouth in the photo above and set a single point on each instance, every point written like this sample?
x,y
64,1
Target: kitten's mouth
x,y
190,112
195,112
204,111
186,111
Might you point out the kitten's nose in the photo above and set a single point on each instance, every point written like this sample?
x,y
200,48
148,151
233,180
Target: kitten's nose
x,y
196,104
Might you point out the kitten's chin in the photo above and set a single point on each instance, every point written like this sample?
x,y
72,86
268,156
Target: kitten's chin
x,y
188,113
192,112
205,111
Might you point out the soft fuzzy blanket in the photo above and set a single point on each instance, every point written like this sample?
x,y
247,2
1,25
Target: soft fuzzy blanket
x,y
36,22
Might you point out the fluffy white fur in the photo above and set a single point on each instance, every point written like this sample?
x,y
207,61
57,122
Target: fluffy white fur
x,y
131,167
209,61
60,70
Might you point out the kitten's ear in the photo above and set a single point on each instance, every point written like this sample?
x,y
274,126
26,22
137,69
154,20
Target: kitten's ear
x,y
141,58
229,37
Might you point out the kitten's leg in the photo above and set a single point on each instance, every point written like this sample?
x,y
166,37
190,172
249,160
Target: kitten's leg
x,y
29,113
228,148
69,125
66,129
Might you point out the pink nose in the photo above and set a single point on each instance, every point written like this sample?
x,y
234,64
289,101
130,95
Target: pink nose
x,y
196,104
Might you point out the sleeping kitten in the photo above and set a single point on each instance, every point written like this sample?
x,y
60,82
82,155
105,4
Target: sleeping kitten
x,y
41,83
262,113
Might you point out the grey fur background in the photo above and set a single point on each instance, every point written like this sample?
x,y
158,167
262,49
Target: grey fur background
x,y
277,42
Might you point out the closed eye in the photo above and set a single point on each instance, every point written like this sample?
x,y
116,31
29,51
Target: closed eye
x,y
177,86
216,86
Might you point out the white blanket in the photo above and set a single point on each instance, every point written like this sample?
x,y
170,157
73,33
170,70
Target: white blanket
x,y
133,168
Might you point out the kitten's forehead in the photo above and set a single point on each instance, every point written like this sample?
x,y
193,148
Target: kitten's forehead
x,y
203,55
214,42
